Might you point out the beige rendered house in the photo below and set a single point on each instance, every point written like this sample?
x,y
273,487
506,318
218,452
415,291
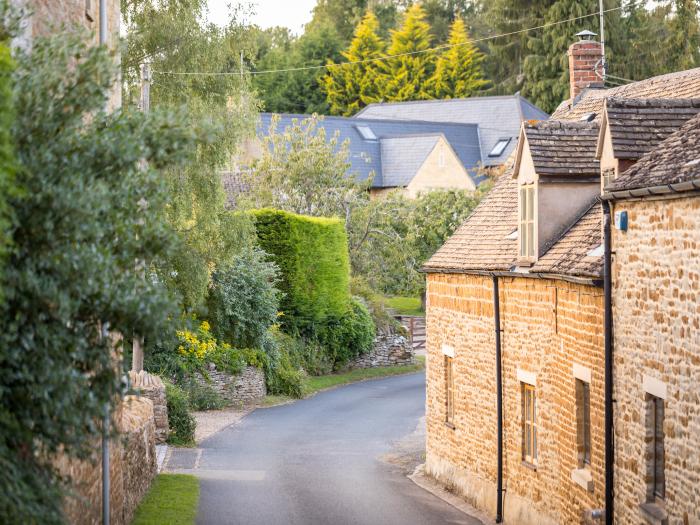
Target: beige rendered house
x,y
518,356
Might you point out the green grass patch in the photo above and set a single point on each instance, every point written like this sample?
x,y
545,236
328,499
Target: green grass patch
x,y
173,499
405,305
316,383
272,400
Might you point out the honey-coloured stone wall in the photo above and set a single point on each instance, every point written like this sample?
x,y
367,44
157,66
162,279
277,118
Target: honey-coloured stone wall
x,y
548,326
656,313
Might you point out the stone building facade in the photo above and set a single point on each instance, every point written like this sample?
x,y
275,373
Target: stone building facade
x,y
538,236
656,314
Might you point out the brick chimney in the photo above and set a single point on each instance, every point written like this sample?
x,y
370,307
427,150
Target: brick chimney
x,y
585,58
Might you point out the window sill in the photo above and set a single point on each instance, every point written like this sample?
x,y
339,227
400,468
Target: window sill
x,y
653,513
449,425
582,477
529,465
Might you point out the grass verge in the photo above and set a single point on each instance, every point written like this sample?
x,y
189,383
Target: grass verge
x,y
405,305
316,383
172,499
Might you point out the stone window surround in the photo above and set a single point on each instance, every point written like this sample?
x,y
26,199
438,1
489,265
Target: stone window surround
x,y
528,383
582,476
448,354
653,512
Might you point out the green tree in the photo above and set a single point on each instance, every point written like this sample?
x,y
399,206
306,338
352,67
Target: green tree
x,y
458,72
349,88
7,164
546,69
89,209
683,42
172,37
405,76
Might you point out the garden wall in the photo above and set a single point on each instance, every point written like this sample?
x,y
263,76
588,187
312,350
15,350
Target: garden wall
x,y
249,385
132,468
387,350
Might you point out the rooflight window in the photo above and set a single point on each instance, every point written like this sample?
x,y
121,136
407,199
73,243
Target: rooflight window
x,y
588,117
598,251
499,148
366,133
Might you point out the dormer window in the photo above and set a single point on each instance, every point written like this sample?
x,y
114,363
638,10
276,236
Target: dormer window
x,y
526,224
500,147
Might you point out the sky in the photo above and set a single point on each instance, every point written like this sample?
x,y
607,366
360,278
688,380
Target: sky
x,y
268,13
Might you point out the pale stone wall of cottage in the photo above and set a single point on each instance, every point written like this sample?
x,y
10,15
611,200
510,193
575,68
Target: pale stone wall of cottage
x,y
656,297
548,326
132,468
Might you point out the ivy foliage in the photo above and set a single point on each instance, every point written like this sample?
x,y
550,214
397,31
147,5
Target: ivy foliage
x,y
312,256
89,208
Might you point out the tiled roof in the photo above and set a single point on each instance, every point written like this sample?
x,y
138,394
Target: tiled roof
x,y
638,125
485,241
575,251
366,153
563,148
402,157
234,184
676,160
498,117
681,84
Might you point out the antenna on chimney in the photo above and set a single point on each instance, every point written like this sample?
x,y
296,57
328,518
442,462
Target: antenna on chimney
x,y
602,39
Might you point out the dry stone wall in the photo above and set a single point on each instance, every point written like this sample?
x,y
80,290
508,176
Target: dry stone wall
x,y
132,469
548,326
247,386
656,298
387,350
151,387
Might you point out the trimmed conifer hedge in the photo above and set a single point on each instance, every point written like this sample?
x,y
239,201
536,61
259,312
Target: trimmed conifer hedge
x,y
312,255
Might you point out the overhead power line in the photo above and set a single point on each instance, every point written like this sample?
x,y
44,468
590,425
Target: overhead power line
x,y
387,57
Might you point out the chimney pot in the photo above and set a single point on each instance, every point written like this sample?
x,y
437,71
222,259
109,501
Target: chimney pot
x,y
585,63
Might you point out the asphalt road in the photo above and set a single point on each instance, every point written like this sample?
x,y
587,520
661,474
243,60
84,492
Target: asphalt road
x,y
322,460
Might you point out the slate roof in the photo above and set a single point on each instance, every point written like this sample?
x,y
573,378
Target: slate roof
x,y
497,117
638,125
675,161
681,84
561,148
367,155
402,157
234,184
485,241
571,254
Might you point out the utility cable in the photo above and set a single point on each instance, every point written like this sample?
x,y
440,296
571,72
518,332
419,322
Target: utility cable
x,y
387,57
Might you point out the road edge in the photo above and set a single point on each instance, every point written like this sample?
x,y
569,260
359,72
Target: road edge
x,y
420,478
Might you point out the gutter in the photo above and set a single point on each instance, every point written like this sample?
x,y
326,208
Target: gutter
x,y
608,322
591,281
499,402
665,189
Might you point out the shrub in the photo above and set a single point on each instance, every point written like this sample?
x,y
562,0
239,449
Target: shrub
x,y
312,255
350,335
307,354
383,321
182,423
204,396
243,301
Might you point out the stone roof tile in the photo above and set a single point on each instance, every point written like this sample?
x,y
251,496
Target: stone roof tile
x,y
563,148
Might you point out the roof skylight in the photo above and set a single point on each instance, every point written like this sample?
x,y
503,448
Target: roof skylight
x,y
366,132
598,251
500,147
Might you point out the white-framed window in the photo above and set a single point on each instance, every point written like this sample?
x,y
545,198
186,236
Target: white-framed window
x,y
499,147
526,225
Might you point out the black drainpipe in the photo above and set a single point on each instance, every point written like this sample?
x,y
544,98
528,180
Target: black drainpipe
x,y
499,402
609,436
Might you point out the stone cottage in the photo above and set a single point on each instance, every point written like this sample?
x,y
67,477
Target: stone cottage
x,y
516,397
655,241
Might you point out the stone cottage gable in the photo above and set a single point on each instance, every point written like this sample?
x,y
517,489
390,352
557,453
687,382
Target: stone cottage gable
x,y
674,162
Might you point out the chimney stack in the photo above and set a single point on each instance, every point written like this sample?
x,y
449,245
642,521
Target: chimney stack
x,y
585,63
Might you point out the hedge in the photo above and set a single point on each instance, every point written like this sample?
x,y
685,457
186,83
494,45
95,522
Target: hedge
x,y
312,255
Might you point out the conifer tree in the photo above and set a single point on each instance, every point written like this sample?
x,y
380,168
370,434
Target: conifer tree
x,y
458,71
350,88
405,77
546,69
684,38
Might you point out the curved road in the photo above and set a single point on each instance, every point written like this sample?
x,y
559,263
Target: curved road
x,y
321,461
